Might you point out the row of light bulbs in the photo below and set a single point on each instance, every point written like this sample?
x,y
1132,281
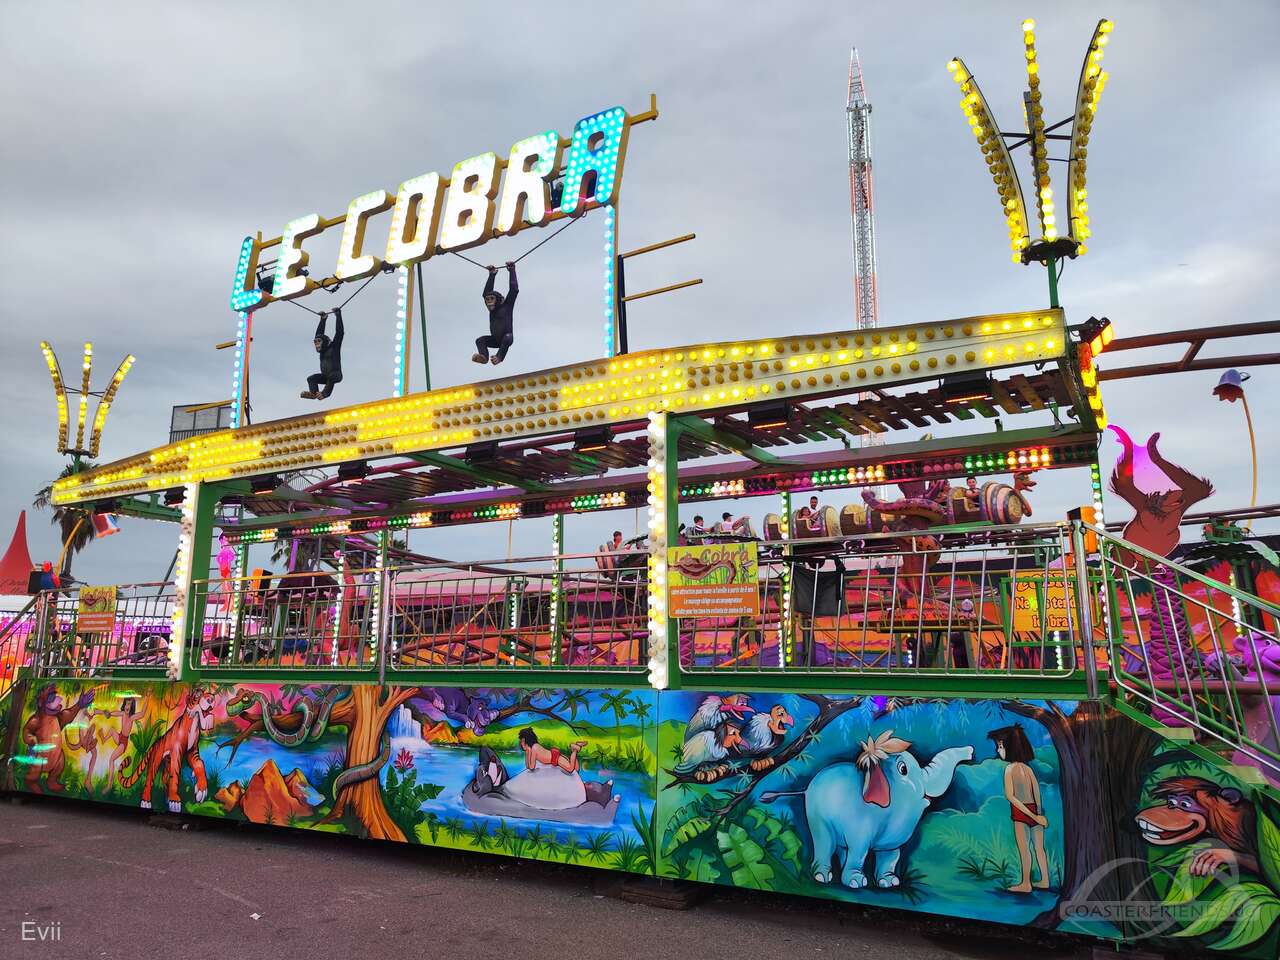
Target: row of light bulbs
x,y
512,407
996,154
1092,80
658,666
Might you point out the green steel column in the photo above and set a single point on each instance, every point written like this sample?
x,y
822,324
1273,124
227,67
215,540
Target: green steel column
x,y
1052,266
664,528
1084,612
671,468
784,599
422,323
192,577
238,572
335,628
383,588
556,612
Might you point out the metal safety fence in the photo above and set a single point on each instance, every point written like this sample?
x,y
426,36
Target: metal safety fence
x,y
74,635
1194,652
998,603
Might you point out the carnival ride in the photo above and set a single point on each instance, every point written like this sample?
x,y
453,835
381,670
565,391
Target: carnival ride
x,y
866,611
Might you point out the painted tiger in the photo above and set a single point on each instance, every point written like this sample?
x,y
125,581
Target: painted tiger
x,y
182,739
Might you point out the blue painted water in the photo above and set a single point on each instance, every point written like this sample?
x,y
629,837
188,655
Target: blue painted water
x,y
449,765
453,766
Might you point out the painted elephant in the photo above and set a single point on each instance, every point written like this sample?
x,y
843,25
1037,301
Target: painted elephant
x,y
875,804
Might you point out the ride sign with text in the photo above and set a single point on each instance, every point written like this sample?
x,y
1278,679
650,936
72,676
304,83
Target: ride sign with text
x,y
713,580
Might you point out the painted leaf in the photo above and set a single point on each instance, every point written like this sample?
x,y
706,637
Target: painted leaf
x,y
1254,920
688,831
778,836
744,858
678,827
700,866
1269,849
1184,887
1217,913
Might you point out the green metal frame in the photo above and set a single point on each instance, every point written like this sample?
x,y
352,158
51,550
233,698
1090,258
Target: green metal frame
x,y
486,475
204,512
696,427
148,509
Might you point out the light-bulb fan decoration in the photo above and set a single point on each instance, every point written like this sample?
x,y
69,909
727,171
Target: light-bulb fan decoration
x,y
105,399
1053,242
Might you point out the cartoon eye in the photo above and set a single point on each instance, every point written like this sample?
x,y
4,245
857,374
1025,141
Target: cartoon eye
x,y
902,768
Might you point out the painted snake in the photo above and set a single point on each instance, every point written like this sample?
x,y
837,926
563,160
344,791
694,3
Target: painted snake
x,y
696,569
312,727
363,771
313,722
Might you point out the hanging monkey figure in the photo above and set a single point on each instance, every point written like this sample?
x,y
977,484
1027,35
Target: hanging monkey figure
x,y
330,360
500,320
1157,516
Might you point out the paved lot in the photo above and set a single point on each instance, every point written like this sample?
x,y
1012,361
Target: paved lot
x,y
121,888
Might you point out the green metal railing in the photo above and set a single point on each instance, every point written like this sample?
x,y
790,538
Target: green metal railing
x,y
1194,652
994,604
15,644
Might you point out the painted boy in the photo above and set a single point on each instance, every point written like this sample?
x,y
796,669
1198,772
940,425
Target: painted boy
x,y
1026,810
535,753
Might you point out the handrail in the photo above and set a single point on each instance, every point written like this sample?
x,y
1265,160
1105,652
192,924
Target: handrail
x,y
9,638
9,627
1216,683
1185,571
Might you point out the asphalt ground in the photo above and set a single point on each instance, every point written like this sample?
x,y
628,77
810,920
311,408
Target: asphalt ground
x,y
119,886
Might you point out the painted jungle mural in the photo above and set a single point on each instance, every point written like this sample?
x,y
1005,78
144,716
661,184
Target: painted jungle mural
x,y
954,807
1197,852
1037,813
564,775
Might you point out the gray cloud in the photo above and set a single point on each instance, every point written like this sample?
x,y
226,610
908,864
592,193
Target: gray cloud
x,y
142,141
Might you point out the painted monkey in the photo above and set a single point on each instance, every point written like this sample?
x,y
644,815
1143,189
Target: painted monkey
x,y
43,735
1157,516
1196,808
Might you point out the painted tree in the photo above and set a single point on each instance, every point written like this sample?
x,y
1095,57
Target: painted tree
x,y
364,713
619,704
640,710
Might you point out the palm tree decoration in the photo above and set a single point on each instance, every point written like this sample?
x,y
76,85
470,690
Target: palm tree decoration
x,y
619,704
74,523
640,710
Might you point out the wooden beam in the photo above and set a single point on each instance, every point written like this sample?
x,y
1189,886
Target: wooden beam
x,y
488,475
701,430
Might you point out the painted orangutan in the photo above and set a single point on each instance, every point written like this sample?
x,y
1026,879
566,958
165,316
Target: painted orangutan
x,y
1156,516
1195,808
43,736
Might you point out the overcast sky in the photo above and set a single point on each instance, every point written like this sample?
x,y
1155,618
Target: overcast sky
x,y
140,143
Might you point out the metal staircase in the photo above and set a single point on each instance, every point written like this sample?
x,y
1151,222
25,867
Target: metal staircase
x,y
1195,659
15,648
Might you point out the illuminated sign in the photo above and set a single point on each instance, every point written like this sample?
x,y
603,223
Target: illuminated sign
x,y
607,391
485,196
